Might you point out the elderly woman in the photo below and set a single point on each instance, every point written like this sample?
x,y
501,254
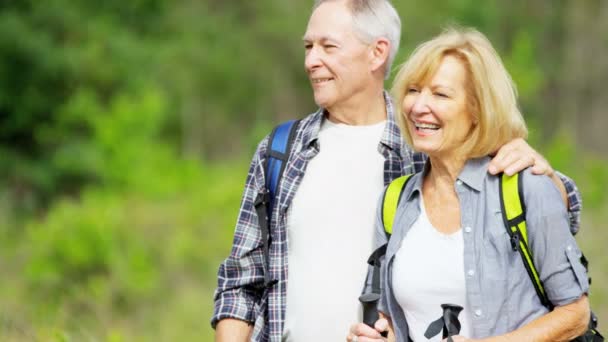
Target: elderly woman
x,y
449,242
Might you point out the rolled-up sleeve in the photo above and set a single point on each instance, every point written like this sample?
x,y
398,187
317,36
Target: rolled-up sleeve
x,y
241,275
555,252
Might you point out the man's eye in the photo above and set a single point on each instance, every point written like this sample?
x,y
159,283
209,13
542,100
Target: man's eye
x,y
441,95
307,46
329,46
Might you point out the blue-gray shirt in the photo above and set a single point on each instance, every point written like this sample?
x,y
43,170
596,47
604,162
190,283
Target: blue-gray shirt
x,y
499,292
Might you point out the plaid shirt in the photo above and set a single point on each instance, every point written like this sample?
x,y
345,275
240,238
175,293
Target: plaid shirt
x,y
241,293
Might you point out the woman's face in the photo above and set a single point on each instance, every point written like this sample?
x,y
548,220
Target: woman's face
x,y
437,114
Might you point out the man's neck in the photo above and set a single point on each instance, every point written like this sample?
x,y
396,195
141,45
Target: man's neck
x,y
366,109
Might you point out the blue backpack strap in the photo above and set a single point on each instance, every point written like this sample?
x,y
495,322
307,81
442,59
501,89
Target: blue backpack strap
x,y
277,154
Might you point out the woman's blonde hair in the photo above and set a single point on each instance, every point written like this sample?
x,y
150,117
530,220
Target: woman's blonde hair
x,y
492,96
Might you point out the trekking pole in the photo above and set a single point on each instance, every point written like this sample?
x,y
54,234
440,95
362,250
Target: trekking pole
x,y
370,309
448,322
370,300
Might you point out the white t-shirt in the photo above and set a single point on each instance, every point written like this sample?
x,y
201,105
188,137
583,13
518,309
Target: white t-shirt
x,y
330,229
428,270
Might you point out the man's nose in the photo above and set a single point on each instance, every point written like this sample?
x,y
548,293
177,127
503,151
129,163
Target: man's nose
x,y
312,59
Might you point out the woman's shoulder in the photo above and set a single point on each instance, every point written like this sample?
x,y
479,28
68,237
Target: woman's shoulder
x,y
540,191
537,183
414,181
412,185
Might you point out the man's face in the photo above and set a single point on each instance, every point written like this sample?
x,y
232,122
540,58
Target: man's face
x,y
337,62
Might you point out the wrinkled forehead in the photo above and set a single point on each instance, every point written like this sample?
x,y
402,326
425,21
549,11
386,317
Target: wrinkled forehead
x,y
331,19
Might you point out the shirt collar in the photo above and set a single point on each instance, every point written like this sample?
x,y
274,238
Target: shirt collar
x,y
311,134
474,172
391,136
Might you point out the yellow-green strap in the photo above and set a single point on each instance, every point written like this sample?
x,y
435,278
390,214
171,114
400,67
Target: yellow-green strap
x,y
532,270
512,202
390,202
515,221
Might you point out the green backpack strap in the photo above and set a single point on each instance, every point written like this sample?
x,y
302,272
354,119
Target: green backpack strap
x,y
390,202
514,217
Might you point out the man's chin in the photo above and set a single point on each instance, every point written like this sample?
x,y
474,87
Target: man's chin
x,y
323,101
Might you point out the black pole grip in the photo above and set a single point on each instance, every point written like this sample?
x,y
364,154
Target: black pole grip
x,y
370,310
450,319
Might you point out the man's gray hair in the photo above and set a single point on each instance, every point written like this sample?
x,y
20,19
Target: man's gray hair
x,y
373,19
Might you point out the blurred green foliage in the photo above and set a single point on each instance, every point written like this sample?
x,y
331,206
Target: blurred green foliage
x,y
126,129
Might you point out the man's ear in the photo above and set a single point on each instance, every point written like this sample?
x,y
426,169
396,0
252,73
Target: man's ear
x,y
379,52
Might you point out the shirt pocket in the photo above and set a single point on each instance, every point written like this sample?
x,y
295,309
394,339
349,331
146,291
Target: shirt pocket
x,y
496,239
494,256
497,252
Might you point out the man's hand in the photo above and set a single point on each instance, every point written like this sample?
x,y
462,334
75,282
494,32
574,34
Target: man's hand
x,y
517,155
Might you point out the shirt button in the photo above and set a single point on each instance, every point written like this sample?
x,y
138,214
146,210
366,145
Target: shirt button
x,y
468,229
569,248
471,273
459,182
478,313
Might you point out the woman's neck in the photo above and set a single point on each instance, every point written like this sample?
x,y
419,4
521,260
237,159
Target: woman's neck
x,y
444,172
439,193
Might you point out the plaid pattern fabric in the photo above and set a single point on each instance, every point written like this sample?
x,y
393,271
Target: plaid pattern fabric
x,y
575,203
241,293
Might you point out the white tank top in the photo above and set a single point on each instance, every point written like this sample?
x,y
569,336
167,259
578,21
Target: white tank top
x,y
428,270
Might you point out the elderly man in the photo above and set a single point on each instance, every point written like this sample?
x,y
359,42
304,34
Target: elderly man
x,y
343,155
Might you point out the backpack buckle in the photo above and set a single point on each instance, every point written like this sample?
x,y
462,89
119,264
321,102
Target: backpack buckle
x,y
262,198
515,242
268,283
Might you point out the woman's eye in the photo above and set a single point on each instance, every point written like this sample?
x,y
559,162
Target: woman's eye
x,y
412,90
441,95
